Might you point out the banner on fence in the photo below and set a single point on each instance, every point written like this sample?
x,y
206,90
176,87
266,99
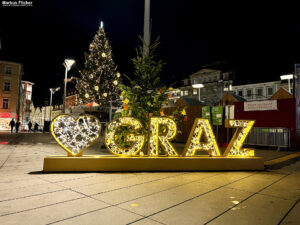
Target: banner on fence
x,y
260,105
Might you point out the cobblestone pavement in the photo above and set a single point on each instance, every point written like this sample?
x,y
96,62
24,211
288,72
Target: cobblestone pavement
x,y
28,196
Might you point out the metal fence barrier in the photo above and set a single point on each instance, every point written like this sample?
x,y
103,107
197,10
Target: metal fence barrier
x,y
265,136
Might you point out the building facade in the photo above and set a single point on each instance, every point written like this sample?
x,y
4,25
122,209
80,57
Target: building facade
x,y
72,98
259,91
214,82
26,101
10,92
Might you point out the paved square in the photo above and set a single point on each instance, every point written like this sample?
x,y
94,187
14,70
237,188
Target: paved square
x,y
28,196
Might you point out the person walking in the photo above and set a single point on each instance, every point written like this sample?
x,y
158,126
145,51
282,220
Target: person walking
x,y
12,124
29,126
17,126
36,127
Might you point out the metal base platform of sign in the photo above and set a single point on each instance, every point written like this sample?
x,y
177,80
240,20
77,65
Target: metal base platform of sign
x,y
96,163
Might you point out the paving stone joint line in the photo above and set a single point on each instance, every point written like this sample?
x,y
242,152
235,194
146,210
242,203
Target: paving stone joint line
x,y
288,212
240,202
187,200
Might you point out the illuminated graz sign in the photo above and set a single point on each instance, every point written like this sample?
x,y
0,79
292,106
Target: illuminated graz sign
x,y
76,135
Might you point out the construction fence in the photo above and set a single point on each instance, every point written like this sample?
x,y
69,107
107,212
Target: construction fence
x,y
275,137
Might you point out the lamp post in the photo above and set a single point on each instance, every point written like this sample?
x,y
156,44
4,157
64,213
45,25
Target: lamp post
x,y
287,77
68,63
52,91
146,27
227,106
199,86
45,111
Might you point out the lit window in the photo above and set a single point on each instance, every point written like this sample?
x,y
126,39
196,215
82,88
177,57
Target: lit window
x,y
181,93
29,88
249,93
195,91
270,91
28,95
225,76
6,86
195,81
8,70
5,103
186,92
259,92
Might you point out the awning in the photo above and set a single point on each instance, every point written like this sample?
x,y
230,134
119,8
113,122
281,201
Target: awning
x,y
91,104
5,115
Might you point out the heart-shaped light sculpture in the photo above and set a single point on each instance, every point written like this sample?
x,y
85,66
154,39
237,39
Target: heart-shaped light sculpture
x,y
75,135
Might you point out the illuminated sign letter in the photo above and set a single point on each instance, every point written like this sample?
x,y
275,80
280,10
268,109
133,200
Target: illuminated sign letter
x,y
235,146
137,141
193,144
162,129
75,135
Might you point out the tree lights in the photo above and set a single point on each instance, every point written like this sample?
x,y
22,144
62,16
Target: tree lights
x,y
100,79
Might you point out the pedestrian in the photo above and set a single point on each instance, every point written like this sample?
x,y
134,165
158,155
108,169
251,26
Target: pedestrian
x,y
12,124
36,127
29,126
17,126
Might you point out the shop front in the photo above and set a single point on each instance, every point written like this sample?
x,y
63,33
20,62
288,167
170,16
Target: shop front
x,y
5,118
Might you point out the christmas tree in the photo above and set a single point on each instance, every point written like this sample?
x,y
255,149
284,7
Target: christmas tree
x,y
100,79
145,96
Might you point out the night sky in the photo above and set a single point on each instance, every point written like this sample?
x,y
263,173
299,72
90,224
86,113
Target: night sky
x,y
258,39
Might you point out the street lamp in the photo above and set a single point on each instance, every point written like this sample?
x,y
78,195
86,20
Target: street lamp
x,y
198,86
287,77
68,63
52,91
146,27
